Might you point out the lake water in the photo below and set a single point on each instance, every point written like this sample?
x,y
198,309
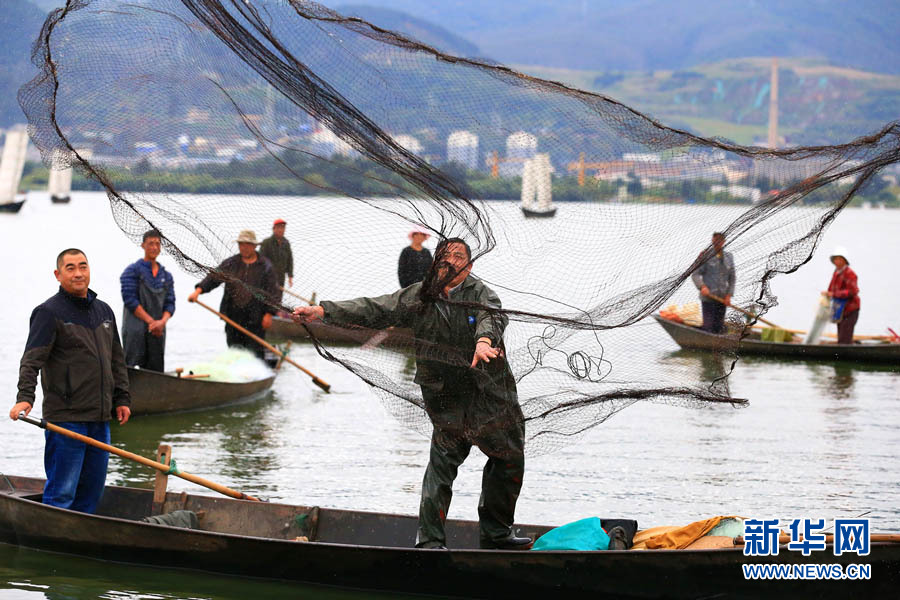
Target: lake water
x,y
818,440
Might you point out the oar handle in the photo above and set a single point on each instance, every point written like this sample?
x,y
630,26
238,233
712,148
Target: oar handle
x,y
168,469
267,345
310,301
741,310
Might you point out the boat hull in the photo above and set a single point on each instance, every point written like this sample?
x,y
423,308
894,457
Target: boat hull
x,y
372,551
287,329
692,338
12,207
537,214
153,392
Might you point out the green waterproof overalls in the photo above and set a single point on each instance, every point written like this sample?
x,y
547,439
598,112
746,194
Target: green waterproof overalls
x,y
466,406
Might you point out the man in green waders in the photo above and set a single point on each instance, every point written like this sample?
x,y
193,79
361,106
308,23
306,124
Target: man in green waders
x,y
148,293
467,387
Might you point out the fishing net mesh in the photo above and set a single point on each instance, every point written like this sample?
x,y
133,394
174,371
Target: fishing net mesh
x,y
351,124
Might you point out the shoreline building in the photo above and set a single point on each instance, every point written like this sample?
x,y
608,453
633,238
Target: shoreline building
x,y
409,143
325,142
520,146
462,148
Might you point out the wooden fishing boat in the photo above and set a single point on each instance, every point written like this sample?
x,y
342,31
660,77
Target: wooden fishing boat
x,y
372,551
153,392
694,338
286,329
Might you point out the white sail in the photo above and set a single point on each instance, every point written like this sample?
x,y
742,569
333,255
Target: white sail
x,y
537,186
60,183
543,183
12,163
529,173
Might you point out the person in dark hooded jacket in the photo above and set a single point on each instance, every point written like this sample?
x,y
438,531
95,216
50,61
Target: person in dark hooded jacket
x,y
468,389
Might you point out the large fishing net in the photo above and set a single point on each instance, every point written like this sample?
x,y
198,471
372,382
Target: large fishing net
x,y
202,118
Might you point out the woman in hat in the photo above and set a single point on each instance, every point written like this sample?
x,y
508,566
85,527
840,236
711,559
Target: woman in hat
x,y
844,294
415,260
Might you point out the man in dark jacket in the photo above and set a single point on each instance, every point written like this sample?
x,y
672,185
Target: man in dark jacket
x,y
148,293
715,277
251,293
278,250
468,389
74,343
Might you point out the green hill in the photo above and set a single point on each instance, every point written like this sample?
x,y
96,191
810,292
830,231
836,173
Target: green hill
x,y
20,22
818,103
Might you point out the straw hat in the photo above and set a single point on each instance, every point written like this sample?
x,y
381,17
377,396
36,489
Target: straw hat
x,y
839,251
247,235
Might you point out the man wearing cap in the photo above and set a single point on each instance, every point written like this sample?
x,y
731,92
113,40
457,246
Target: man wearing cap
x,y
715,277
844,293
251,293
415,260
278,250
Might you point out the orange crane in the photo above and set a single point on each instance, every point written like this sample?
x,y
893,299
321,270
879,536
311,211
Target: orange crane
x,y
581,165
494,160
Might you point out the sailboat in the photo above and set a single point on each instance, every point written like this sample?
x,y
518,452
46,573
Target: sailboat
x,y
60,185
12,163
537,187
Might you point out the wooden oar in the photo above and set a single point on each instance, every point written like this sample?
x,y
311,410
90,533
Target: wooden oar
x,y
267,345
746,312
310,301
168,469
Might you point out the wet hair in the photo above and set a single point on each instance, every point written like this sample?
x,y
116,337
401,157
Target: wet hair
x,y
66,252
153,233
442,246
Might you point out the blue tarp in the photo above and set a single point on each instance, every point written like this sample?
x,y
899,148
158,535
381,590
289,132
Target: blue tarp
x,y
586,534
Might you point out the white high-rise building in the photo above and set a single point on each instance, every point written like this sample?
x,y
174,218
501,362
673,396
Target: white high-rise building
x,y
326,143
520,146
410,143
462,148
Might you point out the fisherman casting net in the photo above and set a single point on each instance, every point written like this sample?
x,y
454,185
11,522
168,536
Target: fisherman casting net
x,y
367,133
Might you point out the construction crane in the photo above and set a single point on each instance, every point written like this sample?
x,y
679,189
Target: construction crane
x,y
581,165
493,161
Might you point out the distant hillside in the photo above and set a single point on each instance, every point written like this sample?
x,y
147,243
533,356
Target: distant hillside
x,y
818,103
424,31
20,22
662,34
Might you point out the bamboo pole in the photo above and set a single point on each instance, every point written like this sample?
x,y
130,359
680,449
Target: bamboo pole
x,y
310,301
746,312
168,469
266,345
